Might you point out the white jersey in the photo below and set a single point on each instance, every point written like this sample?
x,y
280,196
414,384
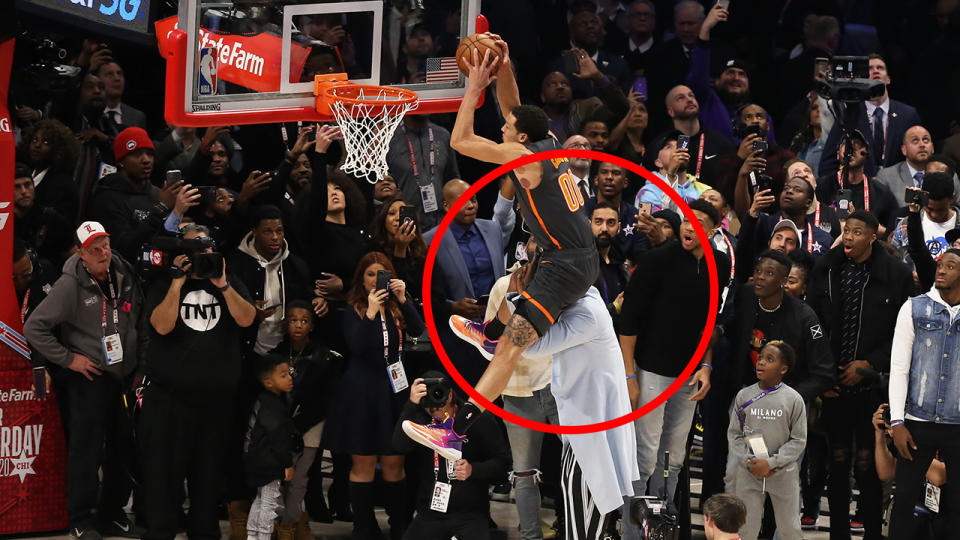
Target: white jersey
x,y
590,386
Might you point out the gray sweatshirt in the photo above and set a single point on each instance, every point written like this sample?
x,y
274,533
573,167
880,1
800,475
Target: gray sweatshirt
x,y
69,319
780,417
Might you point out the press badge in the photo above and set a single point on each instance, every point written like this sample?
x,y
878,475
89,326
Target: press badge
x,y
398,377
757,445
931,497
113,349
441,497
429,196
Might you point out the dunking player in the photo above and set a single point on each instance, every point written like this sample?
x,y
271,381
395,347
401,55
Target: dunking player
x,y
552,208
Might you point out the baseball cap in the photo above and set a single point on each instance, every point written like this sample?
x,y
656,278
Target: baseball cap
x,y
738,63
88,231
952,236
129,140
786,224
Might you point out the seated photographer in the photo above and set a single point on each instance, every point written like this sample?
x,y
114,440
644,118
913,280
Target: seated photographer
x,y
452,498
922,236
193,364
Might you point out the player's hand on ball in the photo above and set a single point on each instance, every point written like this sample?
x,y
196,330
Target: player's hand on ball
x,y
480,73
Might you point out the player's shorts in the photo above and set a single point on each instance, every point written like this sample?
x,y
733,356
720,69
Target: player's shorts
x,y
562,278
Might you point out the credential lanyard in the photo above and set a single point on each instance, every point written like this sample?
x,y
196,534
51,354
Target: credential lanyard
x,y
730,251
386,341
703,137
436,466
103,298
753,400
413,157
809,231
866,190
816,215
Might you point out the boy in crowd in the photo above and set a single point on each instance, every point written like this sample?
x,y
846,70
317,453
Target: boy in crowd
x,y
271,445
723,515
767,435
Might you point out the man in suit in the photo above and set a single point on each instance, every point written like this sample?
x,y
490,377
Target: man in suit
x,y
586,34
671,61
884,121
917,148
471,259
119,113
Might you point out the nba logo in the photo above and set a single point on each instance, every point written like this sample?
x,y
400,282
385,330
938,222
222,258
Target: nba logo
x,y
207,82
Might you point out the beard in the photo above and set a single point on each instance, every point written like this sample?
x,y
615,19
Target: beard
x,y
730,98
604,241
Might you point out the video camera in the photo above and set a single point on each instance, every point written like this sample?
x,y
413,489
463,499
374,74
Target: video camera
x,y
41,66
848,80
162,250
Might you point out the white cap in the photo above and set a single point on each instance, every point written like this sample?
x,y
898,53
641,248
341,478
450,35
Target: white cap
x,y
88,231
786,224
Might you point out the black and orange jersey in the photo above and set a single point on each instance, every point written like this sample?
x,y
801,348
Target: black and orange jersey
x,y
553,211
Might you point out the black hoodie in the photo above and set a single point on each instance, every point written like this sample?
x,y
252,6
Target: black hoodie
x,y
132,215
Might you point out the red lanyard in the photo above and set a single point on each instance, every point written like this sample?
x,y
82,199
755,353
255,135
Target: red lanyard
x,y
103,297
26,305
386,340
866,189
816,215
413,157
809,231
700,155
730,251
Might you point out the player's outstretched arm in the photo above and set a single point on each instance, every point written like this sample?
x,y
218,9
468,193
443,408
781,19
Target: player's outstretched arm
x,y
462,138
508,93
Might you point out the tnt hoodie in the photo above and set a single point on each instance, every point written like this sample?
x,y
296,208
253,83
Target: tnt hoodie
x,y
73,310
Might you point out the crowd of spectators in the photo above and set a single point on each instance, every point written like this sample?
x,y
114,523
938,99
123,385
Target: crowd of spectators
x,y
837,301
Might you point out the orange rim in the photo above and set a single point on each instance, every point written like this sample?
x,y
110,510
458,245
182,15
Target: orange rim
x,y
348,94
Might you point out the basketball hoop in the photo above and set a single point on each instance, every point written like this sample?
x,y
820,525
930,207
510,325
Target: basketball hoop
x,y
368,115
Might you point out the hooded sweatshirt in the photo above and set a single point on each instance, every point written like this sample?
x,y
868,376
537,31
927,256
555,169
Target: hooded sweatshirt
x,y
74,309
270,332
131,215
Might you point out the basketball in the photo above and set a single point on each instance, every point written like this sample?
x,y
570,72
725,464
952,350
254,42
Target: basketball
x,y
481,42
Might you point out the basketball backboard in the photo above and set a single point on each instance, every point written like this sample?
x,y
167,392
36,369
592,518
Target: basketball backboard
x,y
254,61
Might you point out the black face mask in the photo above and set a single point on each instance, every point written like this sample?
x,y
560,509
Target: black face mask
x,y
604,241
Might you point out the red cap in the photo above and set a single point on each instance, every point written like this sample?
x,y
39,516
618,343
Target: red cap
x,y
129,140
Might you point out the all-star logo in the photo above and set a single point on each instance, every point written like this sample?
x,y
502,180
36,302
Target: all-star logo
x,y
19,447
628,230
22,466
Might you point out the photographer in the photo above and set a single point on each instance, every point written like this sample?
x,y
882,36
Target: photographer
x,y
193,366
921,237
465,509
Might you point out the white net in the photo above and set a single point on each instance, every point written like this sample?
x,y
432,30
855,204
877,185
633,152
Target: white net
x,y
368,126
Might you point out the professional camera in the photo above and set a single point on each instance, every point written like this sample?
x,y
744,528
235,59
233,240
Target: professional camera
x,y
438,389
848,80
42,70
162,250
650,514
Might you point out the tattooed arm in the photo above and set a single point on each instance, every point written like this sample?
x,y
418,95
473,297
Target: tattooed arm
x,y
518,335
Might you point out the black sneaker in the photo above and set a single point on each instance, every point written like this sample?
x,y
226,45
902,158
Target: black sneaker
x,y
123,527
84,533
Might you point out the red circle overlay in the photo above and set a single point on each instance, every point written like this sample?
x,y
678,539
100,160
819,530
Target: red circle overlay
x,y
584,428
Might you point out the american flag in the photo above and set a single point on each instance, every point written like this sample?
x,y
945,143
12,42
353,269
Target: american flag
x,y
442,69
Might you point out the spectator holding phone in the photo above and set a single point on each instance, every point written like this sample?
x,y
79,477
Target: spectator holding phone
x,y
673,160
395,232
368,402
931,215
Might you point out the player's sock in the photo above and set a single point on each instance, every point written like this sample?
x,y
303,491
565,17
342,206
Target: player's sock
x,y
494,329
466,416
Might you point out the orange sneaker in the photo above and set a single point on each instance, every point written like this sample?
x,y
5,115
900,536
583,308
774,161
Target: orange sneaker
x,y
438,437
472,333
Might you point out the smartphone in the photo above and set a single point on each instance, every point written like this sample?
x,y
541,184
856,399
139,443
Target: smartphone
x,y
916,196
843,198
645,208
483,300
725,4
640,86
39,382
683,142
174,176
764,182
760,145
571,64
886,415
383,280
408,213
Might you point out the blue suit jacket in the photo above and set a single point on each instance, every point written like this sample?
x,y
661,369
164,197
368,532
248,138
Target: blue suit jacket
x,y
902,117
450,258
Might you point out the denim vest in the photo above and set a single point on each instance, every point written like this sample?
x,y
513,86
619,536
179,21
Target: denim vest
x,y
934,393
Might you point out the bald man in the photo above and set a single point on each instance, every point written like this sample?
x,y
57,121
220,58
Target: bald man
x,y
683,110
917,147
